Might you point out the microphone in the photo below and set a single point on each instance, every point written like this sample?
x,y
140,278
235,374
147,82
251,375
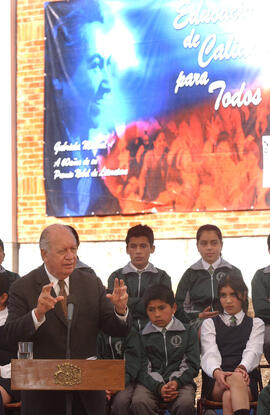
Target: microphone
x,y
71,301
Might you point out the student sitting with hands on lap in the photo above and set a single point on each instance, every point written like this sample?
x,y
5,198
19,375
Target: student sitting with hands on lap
x,y
232,345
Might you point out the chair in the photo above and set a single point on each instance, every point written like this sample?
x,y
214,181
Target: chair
x,y
203,404
260,382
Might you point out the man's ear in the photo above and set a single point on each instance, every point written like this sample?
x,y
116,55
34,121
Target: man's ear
x,y
152,249
174,308
43,254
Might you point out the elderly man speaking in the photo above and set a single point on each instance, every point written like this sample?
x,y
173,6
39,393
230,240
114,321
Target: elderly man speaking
x,y
37,313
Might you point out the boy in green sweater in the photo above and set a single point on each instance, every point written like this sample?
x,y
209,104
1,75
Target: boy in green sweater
x,y
170,359
263,407
127,348
139,273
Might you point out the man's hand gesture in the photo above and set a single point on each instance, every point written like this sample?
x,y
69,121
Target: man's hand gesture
x,y
119,297
46,302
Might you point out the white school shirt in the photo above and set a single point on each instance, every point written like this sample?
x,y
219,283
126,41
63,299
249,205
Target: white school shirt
x,y
6,369
139,270
167,327
210,355
214,265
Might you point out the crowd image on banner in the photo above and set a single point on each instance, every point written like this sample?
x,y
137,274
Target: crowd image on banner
x,y
197,161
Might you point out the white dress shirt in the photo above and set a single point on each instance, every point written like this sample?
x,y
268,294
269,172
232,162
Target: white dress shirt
x,y
5,371
162,328
137,269
214,265
3,316
210,355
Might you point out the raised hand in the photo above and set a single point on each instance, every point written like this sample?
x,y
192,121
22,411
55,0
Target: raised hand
x,y
206,313
46,301
119,297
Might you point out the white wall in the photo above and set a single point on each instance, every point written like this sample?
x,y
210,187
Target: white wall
x,y
5,138
174,256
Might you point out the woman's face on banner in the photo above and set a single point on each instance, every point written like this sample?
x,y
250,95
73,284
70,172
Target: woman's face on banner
x,y
86,93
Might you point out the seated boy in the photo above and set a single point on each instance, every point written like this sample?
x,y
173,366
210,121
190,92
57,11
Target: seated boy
x,y
11,276
127,348
139,274
170,358
261,301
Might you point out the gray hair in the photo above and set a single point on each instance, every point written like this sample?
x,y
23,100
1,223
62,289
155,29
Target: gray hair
x,y
44,240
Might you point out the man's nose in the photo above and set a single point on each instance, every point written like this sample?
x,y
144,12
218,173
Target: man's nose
x,y
70,253
106,79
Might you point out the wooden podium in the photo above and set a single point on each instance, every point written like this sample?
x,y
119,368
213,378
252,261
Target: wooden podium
x,y
68,374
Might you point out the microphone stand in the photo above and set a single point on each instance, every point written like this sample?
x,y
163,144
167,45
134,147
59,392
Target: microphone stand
x,y
70,309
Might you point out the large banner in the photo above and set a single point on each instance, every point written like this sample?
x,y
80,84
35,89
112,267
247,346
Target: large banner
x,y
156,105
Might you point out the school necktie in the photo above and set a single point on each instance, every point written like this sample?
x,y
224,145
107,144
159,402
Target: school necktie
x,y
233,321
211,270
163,331
62,292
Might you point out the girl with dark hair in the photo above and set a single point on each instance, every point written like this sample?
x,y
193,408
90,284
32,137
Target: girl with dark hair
x,y
196,294
231,346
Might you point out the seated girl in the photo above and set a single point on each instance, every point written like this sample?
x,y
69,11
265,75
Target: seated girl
x,y
232,345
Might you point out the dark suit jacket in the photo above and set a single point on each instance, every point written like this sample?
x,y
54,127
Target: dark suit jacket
x,y
93,311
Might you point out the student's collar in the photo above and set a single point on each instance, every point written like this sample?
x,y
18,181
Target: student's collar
x,y
169,325
238,315
2,269
54,279
214,265
139,270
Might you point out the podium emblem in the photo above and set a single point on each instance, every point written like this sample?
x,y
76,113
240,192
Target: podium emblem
x,y
68,374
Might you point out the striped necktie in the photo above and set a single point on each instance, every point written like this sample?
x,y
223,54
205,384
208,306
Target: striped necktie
x,y
211,270
62,292
232,321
